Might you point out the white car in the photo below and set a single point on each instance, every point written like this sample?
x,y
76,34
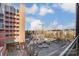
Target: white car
x,y
43,46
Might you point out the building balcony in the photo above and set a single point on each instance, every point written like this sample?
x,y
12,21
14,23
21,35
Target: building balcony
x,y
11,38
1,25
2,35
2,38
6,19
1,11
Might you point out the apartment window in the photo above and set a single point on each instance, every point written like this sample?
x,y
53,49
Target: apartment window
x,y
13,18
14,26
0,4
1,15
10,34
17,34
10,17
17,30
17,11
10,22
12,9
14,22
1,20
17,22
7,8
10,30
17,26
17,14
1,25
7,21
11,13
7,26
7,30
7,34
7,17
14,34
7,12
17,18
10,26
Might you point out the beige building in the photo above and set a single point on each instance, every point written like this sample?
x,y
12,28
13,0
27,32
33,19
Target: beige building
x,y
67,34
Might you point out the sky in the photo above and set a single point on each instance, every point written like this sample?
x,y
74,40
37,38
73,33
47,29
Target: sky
x,y
49,16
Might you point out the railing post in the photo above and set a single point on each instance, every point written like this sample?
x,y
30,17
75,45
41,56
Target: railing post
x,y
77,26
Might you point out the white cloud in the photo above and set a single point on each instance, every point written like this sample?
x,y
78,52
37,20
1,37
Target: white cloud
x,y
71,7
36,25
44,10
32,10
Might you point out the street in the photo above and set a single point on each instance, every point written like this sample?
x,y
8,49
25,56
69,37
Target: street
x,y
54,49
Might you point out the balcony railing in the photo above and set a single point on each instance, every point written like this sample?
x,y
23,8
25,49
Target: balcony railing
x,y
1,26
1,11
71,48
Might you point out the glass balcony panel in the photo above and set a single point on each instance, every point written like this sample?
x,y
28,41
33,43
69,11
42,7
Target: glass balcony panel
x,y
1,26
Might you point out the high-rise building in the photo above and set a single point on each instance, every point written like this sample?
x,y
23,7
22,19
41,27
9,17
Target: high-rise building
x,y
12,25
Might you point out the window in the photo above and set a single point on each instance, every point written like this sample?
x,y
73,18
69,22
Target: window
x,y
17,14
17,22
17,30
1,25
7,17
1,20
6,21
17,11
7,30
1,15
17,18
0,4
10,26
7,12
12,9
7,34
17,34
10,34
17,26
10,17
7,8
7,26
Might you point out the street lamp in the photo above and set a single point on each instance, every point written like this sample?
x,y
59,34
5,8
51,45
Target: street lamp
x,y
42,26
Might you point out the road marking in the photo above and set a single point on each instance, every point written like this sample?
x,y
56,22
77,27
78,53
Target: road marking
x,y
52,53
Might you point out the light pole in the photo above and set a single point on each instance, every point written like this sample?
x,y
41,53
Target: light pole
x,y
41,27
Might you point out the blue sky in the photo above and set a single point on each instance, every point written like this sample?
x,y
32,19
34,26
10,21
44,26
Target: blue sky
x,y
50,16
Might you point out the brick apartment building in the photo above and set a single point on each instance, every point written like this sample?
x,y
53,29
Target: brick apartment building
x,y
12,26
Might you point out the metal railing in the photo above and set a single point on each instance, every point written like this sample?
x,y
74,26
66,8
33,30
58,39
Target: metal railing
x,y
70,47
